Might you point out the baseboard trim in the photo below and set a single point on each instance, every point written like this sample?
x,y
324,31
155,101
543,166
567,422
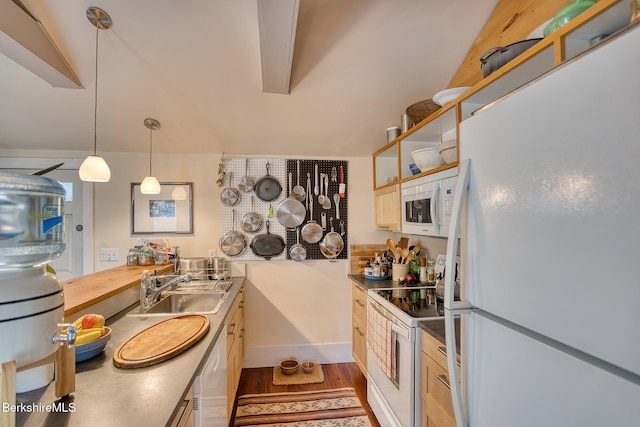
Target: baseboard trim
x,y
266,356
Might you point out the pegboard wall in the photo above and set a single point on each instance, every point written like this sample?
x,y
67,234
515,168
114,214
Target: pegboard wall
x,y
307,168
256,169
235,169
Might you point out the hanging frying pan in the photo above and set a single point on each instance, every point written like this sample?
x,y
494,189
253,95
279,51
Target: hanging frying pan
x,y
230,196
297,251
232,242
267,188
267,245
252,221
290,212
246,183
312,231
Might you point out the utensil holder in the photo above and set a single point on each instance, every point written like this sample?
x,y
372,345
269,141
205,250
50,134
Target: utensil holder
x,y
399,271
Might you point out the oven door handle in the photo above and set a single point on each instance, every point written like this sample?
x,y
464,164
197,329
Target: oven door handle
x,y
403,332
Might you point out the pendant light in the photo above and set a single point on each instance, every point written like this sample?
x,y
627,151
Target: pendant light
x,y
94,168
150,184
179,193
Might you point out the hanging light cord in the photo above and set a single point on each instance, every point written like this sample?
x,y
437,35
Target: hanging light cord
x,y
95,102
150,136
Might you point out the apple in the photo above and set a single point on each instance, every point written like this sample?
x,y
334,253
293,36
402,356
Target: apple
x,y
92,321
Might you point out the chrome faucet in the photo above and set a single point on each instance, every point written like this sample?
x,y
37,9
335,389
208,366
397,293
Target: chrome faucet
x,y
152,287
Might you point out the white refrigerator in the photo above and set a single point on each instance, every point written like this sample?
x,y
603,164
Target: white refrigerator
x,y
548,206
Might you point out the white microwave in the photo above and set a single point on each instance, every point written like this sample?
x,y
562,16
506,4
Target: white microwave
x,y
427,203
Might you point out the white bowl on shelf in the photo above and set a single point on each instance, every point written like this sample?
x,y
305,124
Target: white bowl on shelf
x,y
427,158
448,150
444,97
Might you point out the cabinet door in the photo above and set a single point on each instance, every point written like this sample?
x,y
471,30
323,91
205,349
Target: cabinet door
x,y
387,208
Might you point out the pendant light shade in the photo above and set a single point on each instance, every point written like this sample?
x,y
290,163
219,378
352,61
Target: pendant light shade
x,y
150,184
179,193
94,168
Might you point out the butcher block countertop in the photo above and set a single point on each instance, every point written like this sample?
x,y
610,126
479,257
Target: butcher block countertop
x,y
85,291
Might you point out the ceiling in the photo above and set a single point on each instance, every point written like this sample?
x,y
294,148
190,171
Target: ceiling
x,y
195,66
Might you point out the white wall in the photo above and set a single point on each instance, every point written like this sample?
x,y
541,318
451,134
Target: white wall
x,y
292,309
301,309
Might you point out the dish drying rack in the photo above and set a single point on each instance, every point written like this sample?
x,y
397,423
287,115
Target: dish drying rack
x,y
204,279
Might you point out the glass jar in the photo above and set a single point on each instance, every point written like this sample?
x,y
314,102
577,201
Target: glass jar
x,y
431,271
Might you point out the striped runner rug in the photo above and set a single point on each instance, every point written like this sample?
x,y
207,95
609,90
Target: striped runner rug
x,y
327,408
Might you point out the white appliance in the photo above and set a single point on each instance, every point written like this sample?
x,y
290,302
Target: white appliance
x,y
210,388
393,384
426,203
548,194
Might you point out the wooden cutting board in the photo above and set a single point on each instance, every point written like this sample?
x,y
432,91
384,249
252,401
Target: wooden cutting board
x,y
161,341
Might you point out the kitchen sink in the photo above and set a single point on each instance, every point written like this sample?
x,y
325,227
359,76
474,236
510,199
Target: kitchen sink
x,y
186,301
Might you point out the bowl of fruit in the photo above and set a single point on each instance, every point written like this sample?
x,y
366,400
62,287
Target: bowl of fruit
x,y
91,336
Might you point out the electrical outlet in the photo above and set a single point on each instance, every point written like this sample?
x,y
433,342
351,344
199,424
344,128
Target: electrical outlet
x,y
108,254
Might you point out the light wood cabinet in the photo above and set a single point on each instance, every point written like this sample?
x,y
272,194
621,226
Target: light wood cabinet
x,y
184,417
387,208
359,326
437,405
235,348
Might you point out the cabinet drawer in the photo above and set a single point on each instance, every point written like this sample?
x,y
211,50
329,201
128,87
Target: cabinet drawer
x,y
438,386
435,349
359,310
436,416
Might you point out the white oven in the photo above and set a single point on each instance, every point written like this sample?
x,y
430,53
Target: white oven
x,y
393,380
427,203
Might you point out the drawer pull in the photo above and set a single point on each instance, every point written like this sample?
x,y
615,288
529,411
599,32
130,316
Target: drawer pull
x,y
384,227
443,350
359,331
231,329
360,303
241,305
242,333
443,379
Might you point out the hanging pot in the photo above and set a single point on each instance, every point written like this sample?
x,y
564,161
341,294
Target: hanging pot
x,y
290,212
230,196
252,221
246,183
268,188
329,254
333,241
312,231
232,242
267,245
297,251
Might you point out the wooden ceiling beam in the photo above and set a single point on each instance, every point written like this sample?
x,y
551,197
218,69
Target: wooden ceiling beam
x,y
277,22
24,40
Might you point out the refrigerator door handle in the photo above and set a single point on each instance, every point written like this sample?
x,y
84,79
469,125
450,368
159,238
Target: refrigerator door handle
x,y
450,304
462,188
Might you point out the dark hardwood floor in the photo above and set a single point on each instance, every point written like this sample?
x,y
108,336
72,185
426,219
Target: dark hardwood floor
x,y
337,375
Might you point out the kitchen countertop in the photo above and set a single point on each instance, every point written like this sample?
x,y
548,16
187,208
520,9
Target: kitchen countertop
x,y
109,396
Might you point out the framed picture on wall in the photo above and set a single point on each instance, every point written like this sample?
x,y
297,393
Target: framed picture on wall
x,y
168,212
